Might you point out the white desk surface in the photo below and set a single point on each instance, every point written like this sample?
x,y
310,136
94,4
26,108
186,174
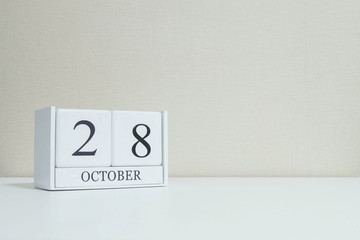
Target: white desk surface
x,y
189,208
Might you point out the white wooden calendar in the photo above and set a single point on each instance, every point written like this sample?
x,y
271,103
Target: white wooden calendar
x,y
87,149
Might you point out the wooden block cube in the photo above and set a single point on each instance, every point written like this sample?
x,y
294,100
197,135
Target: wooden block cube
x,y
136,138
83,138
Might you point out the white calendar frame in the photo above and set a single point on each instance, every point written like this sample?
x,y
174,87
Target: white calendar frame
x,y
44,154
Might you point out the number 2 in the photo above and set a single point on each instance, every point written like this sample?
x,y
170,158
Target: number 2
x,y
92,132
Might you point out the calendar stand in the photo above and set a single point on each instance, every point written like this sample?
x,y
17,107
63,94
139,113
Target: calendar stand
x,y
48,176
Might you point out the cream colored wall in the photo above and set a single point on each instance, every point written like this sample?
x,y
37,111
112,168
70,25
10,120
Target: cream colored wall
x,y
253,88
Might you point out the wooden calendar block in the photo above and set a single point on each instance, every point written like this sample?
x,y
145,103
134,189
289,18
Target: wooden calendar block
x,y
73,149
136,138
83,138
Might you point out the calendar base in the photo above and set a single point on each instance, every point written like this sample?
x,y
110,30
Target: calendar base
x,y
108,177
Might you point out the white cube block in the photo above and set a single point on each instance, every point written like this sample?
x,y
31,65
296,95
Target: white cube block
x,y
136,138
83,138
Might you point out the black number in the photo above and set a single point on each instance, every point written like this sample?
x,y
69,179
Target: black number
x,y
141,140
92,132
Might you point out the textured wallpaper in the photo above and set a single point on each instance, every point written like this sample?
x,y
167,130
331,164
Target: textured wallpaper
x,y
253,88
